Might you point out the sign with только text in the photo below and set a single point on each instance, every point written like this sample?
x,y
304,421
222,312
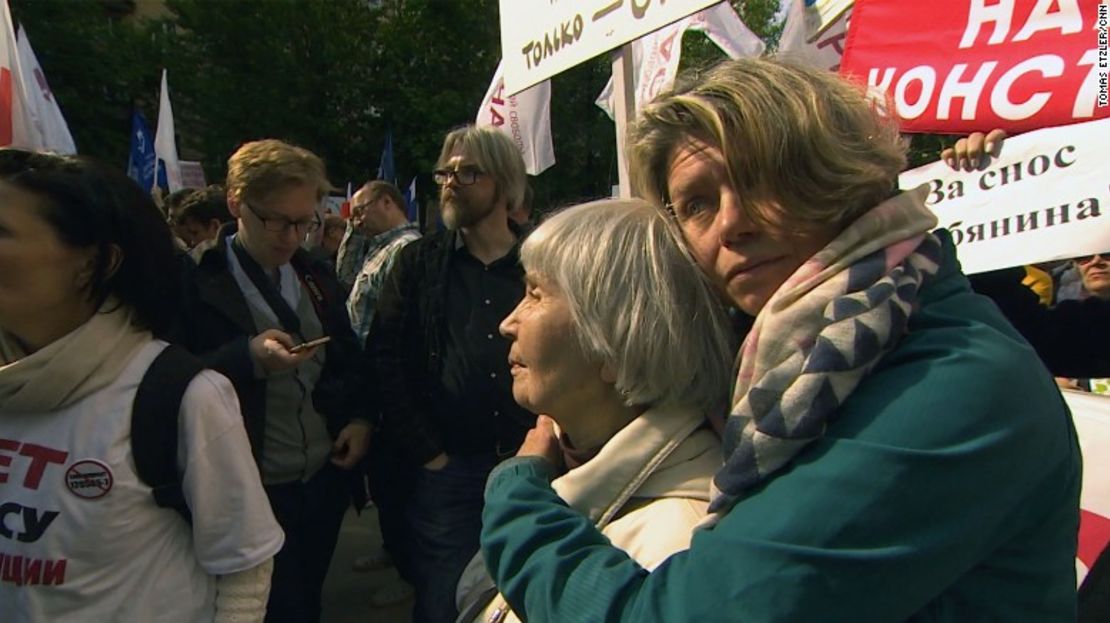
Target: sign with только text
x,y
540,38
1041,200
959,66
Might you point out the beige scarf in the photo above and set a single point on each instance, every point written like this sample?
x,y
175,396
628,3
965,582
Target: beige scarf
x,y
72,367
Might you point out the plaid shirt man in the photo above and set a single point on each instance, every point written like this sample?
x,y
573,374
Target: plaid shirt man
x,y
380,253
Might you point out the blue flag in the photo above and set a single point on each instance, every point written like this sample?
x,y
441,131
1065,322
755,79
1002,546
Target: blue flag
x,y
412,207
385,168
162,180
140,164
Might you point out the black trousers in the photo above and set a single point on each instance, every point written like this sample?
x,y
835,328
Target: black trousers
x,y
391,479
310,513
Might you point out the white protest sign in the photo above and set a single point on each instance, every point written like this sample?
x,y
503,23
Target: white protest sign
x,y
1041,200
1091,414
192,174
540,38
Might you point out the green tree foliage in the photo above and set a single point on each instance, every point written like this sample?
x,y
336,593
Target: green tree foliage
x,y
97,68
431,66
330,75
252,69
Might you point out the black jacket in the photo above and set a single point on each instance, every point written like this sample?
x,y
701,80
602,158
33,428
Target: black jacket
x,y
406,346
218,326
1072,338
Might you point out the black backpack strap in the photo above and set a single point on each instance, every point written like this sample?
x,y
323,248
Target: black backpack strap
x,y
154,424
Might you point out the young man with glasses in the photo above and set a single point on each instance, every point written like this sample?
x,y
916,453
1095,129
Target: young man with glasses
x,y
253,297
445,390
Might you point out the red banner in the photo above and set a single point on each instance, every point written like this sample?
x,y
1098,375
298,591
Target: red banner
x,y
957,66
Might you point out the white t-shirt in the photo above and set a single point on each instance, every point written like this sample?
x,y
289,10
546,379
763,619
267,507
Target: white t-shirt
x,y
81,538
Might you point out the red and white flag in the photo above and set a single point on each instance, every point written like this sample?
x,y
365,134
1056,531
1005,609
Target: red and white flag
x,y
525,117
48,127
15,128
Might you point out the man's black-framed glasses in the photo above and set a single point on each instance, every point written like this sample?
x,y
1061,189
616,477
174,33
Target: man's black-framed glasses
x,y
278,224
465,176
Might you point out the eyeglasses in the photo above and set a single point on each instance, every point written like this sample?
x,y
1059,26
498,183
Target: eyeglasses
x,y
1087,259
277,224
362,207
465,176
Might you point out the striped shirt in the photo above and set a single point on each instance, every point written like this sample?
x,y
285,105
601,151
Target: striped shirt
x,y
381,251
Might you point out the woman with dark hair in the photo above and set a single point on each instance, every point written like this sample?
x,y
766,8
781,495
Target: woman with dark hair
x,y
894,450
88,283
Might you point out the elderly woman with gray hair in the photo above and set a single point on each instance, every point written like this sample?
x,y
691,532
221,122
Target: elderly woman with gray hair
x,y
894,451
621,341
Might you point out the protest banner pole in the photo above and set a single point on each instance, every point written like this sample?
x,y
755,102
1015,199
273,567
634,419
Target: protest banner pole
x,y
624,109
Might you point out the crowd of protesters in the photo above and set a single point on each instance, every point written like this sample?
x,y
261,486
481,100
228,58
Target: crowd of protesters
x,y
541,413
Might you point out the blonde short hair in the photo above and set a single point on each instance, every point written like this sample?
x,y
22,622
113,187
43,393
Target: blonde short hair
x,y
261,167
638,301
796,140
495,154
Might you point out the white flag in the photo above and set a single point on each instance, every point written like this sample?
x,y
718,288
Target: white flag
x,y
50,130
655,56
525,117
723,26
659,58
800,41
15,127
164,145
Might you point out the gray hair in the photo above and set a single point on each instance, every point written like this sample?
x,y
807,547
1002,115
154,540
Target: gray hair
x,y
638,301
495,154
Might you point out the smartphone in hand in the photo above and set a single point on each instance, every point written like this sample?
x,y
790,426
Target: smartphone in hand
x,y
310,344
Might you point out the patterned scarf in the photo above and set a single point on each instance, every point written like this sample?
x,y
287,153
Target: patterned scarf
x,y
819,335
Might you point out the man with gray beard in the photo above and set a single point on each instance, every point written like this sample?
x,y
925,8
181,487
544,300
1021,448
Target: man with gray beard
x,y
445,389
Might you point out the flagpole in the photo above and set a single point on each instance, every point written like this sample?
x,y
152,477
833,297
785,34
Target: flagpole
x,y
624,110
